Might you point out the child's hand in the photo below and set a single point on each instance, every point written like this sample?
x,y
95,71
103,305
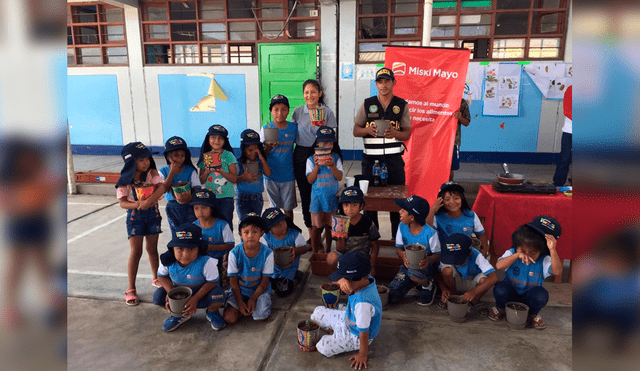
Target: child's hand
x,y
345,285
144,204
292,257
424,262
315,160
437,205
551,242
190,307
404,259
445,295
242,307
329,162
525,258
270,145
358,360
259,155
174,168
251,306
251,177
470,296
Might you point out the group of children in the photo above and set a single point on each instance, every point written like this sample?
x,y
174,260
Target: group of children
x,y
202,241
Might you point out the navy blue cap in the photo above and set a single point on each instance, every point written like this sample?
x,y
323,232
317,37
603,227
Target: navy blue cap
x,y
546,225
203,197
351,194
456,249
174,143
186,235
130,153
384,73
416,206
279,98
273,216
353,266
253,219
135,150
249,137
325,134
218,130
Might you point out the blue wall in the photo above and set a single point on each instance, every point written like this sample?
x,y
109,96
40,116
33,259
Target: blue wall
x,y
179,93
93,110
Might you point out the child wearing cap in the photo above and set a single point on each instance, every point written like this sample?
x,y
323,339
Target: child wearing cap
x,y
451,214
532,258
282,232
355,328
463,270
280,184
186,264
143,216
218,171
363,234
249,185
324,172
179,169
250,270
215,230
413,230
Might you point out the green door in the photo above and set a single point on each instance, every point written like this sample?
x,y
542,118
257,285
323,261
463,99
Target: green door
x,y
282,70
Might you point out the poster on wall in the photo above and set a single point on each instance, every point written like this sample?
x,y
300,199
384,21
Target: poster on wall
x,y
552,79
501,95
432,81
473,83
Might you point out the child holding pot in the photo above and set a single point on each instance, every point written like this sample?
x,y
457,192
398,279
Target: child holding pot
x,y
362,235
355,328
282,232
187,264
413,230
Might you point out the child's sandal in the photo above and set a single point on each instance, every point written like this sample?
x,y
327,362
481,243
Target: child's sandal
x,y
156,283
131,298
537,322
442,304
495,314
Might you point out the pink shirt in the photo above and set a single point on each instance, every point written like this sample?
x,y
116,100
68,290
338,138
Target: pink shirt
x,y
127,191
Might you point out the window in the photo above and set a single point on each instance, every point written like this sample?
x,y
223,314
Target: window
x,y
96,35
502,29
222,31
387,22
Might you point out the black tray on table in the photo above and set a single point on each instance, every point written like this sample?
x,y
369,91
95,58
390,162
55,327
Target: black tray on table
x,y
525,187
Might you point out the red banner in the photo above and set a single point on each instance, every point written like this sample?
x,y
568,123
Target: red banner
x,y
432,81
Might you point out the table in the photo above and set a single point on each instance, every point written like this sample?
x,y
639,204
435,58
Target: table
x,y
382,199
503,213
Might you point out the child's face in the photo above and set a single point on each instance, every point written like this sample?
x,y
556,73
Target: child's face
x,y
352,209
251,152
279,112
251,235
529,251
185,255
325,144
280,228
202,211
177,157
216,142
142,164
405,217
452,201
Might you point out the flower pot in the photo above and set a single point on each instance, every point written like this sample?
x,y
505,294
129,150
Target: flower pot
x,y
517,314
181,187
340,226
308,334
330,294
282,256
317,116
457,308
271,135
415,254
143,191
178,297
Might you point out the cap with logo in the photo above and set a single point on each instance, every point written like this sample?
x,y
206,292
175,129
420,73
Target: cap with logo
x,y
416,206
456,249
546,225
384,73
279,98
353,266
351,194
326,134
249,137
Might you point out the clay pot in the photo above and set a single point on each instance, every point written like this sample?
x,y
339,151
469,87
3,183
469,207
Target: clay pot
x,y
457,308
281,256
517,314
271,135
415,254
178,297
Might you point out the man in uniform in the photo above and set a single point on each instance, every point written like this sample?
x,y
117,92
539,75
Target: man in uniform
x,y
387,148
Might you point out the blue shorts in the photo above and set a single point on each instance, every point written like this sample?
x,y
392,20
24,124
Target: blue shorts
x,y
323,203
281,195
142,223
263,304
215,296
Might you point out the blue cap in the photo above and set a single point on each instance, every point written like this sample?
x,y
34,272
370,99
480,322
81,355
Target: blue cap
x,y
546,225
325,134
130,153
249,137
351,194
218,130
135,150
416,206
279,98
253,219
353,266
273,216
456,249
174,143
186,235
203,197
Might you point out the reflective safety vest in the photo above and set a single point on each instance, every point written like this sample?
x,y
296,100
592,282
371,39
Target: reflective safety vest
x,y
374,111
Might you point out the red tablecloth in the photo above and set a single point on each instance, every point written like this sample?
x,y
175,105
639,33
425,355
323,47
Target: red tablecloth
x,y
504,212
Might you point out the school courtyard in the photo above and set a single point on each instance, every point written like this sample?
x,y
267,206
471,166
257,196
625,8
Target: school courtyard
x,y
105,334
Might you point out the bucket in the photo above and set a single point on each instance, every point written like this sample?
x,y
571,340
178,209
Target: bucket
x,y
253,168
271,135
282,256
517,314
317,116
457,308
340,226
383,291
415,254
182,187
144,191
308,334
330,294
178,297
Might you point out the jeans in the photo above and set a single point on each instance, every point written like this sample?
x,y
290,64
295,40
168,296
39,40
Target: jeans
x,y
216,295
225,209
536,297
178,214
402,282
562,169
248,203
395,166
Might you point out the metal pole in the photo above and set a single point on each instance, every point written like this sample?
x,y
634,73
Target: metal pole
x,y
426,22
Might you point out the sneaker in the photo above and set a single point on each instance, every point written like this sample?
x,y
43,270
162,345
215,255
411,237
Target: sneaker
x,y
173,323
216,320
427,295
